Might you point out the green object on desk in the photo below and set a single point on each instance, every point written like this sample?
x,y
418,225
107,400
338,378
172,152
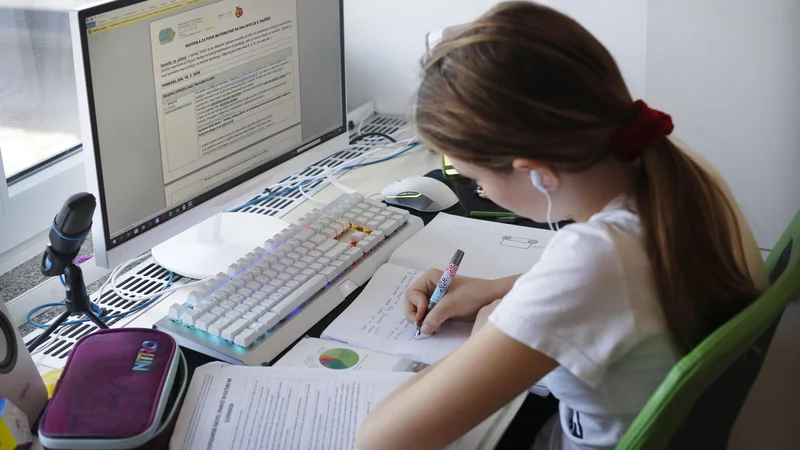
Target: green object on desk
x,y
492,214
698,402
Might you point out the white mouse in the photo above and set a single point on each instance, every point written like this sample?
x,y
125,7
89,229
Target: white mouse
x,y
420,193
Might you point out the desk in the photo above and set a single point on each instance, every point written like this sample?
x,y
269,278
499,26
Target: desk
x,y
367,181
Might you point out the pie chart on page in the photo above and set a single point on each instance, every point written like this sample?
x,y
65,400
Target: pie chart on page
x,y
339,359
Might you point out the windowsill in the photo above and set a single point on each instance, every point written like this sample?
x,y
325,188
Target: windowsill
x,y
31,182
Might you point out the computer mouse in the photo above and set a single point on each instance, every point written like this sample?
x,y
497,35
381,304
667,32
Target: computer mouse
x,y
420,193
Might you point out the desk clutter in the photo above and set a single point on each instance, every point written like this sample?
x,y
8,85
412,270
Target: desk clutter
x,y
127,388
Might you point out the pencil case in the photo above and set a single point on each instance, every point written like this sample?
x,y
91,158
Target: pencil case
x,y
120,389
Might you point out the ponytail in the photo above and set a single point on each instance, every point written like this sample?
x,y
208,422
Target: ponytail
x,y
694,243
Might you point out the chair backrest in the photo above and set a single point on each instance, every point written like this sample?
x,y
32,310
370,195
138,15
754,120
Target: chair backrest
x,y
699,401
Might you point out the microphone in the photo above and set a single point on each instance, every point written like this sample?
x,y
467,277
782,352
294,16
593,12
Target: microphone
x,y
68,232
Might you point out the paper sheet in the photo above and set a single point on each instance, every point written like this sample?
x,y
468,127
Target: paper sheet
x,y
375,321
491,249
255,408
316,353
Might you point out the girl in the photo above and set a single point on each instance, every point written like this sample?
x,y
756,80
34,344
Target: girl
x,y
530,105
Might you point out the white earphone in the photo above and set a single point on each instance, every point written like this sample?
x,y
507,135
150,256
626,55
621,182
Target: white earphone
x,y
536,180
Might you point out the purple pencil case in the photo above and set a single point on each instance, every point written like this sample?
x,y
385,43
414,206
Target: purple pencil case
x,y
120,389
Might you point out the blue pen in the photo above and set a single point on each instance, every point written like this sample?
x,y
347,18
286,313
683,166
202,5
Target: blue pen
x,y
443,286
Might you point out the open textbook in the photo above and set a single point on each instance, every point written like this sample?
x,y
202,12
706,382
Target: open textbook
x,y
265,408
375,320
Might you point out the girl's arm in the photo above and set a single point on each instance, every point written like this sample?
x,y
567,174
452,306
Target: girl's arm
x,y
448,399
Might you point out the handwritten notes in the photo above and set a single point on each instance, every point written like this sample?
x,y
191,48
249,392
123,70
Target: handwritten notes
x,y
375,321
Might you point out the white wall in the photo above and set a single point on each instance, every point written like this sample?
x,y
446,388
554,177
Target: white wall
x,y
729,73
386,39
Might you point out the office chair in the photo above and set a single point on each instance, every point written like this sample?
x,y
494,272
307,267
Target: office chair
x,y
696,406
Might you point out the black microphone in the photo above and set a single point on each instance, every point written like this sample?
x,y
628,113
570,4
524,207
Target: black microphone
x,y
72,224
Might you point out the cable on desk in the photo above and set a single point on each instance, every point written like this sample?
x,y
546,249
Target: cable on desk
x,y
359,137
317,178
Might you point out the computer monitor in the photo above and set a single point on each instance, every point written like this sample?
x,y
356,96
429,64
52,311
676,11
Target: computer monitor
x,y
189,105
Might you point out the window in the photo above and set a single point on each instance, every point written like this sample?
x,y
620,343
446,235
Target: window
x,y
40,161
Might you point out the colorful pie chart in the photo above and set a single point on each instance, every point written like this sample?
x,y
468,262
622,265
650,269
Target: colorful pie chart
x,y
339,358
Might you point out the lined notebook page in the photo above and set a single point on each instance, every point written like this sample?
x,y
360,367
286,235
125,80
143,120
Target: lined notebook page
x,y
491,249
375,321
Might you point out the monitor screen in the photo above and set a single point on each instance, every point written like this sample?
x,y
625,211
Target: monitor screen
x,y
189,98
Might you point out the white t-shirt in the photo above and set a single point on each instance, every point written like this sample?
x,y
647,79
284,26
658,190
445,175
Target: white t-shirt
x,y
591,304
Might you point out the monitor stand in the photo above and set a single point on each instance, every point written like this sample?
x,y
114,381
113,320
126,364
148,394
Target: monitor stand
x,y
210,247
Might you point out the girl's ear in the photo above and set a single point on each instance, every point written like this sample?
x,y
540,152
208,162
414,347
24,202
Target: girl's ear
x,y
550,179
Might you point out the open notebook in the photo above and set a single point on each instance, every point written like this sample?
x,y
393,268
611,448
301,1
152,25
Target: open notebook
x,y
375,320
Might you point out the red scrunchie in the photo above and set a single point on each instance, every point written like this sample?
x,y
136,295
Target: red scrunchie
x,y
647,129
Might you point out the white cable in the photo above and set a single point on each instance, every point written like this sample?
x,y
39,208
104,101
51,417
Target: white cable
x,y
306,195
112,280
549,209
361,123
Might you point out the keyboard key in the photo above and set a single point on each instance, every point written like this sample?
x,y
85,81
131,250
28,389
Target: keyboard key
x,y
260,327
262,280
276,282
374,211
291,271
270,274
309,245
242,307
276,297
271,259
260,295
286,262
195,297
340,225
293,242
238,283
364,245
234,328
340,266
354,253
304,235
233,314
318,239
324,261
259,309
303,251
253,285
327,246
175,312
336,251
252,301
399,211
246,337
379,235
325,221
204,321
235,269
228,289
250,316
246,277
357,236
357,211
299,296
220,324
218,296
278,268
260,252
245,292
283,277
316,254
307,260
268,289
389,226
360,221
328,232
269,319
349,217
376,204
316,267
299,279
202,307
330,273
218,311
227,305
285,290
317,227
309,272
280,253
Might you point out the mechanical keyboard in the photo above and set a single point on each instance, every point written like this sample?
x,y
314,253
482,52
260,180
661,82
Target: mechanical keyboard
x,y
272,295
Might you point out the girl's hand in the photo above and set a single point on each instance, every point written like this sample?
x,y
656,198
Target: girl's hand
x,y
463,300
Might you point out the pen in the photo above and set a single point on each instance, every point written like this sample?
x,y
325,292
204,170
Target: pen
x,y
443,286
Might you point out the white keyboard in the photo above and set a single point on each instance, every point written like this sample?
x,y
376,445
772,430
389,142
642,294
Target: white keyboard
x,y
272,295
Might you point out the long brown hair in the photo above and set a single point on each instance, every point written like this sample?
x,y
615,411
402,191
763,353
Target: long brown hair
x,y
525,81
